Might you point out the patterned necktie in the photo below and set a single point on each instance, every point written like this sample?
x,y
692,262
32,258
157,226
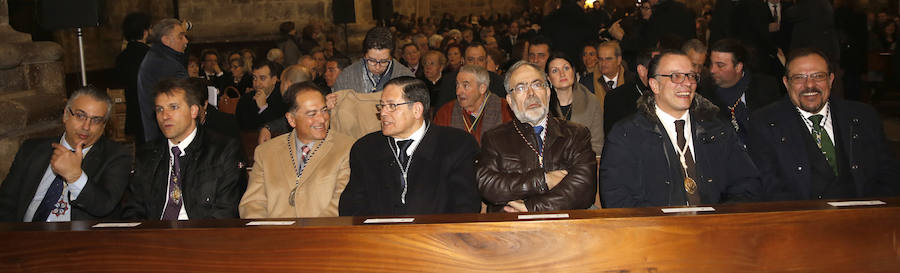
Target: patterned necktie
x,y
540,141
610,85
690,186
304,157
824,142
174,203
49,201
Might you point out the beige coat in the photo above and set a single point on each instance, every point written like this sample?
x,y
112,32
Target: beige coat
x,y
321,184
354,113
588,111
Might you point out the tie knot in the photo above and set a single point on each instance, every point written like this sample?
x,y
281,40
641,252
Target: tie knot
x,y
305,149
816,119
402,145
679,124
176,151
538,129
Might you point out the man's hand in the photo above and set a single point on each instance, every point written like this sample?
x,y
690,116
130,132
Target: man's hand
x,y
67,163
616,30
515,206
264,135
331,100
554,177
260,98
774,27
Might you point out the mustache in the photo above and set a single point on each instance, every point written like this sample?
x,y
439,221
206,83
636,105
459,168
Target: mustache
x,y
811,89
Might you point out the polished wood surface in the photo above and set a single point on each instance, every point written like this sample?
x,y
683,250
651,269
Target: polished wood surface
x,y
762,237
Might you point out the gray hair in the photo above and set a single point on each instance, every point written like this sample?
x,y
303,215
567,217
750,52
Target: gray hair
x,y
614,44
95,94
274,54
162,28
694,45
517,66
481,74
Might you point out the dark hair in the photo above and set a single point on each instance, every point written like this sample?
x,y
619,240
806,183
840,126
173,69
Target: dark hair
x,y
210,51
286,27
94,93
558,55
554,99
654,63
200,85
803,52
378,38
409,45
342,62
738,51
274,68
290,96
643,58
540,40
169,85
414,90
472,45
134,25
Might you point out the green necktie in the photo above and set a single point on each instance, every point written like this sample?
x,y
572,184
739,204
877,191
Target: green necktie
x,y
824,142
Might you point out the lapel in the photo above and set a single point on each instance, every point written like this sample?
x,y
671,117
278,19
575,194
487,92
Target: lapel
x,y
579,103
35,172
419,171
553,134
317,158
160,183
845,127
91,162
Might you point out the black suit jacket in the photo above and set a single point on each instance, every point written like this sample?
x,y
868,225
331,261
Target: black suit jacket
x,y
441,176
210,185
248,115
106,165
621,102
777,146
128,63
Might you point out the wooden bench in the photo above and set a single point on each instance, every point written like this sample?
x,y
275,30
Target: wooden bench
x,y
808,236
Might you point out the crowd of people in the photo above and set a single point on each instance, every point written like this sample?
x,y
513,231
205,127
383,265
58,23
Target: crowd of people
x,y
549,109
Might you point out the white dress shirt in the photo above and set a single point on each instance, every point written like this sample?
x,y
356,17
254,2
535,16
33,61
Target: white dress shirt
x,y
182,215
668,122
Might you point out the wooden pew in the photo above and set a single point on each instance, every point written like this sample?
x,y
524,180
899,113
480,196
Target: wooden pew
x,y
809,236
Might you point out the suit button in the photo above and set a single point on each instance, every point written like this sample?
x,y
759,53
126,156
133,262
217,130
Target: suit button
x,y
820,197
855,136
771,124
667,183
854,167
799,168
783,139
855,120
709,180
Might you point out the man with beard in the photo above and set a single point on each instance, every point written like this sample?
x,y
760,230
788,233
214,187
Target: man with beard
x,y
535,163
812,146
411,166
674,151
318,160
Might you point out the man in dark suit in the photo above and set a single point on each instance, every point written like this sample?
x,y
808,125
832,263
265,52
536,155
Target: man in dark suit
x,y
79,176
734,88
135,29
674,151
193,173
622,101
411,166
165,59
812,146
264,103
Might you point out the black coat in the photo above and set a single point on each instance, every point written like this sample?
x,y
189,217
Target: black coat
x,y
222,123
106,165
777,138
441,176
248,115
762,91
621,102
161,62
813,26
128,63
640,167
210,185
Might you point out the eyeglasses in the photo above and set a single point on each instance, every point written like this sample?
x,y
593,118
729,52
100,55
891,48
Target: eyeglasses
x,y
374,62
680,77
82,117
390,107
801,78
537,85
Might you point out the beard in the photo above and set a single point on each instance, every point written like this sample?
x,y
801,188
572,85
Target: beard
x,y
531,116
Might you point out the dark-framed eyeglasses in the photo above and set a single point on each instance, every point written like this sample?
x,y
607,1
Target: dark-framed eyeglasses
x,y
680,77
537,85
82,117
390,107
374,62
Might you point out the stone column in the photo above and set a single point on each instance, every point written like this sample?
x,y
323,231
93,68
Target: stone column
x,y
32,91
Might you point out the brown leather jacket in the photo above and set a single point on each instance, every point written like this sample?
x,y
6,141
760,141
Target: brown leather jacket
x,y
508,169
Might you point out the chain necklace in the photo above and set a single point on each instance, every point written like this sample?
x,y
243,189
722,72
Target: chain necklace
x,y
734,122
477,117
812,127
540,154
404,170
297,166
690,186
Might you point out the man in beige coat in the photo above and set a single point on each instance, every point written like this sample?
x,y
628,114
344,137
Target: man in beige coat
x,y
304,172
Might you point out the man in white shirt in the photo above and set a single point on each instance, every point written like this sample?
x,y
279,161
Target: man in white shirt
x,y
674,151
79,176
812,146
192,173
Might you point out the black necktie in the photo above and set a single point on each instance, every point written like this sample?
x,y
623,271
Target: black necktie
x,y
402,145
610,85
690,186
49,201
173,206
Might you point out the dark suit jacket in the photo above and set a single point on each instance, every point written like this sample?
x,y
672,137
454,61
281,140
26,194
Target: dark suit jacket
x,y
210,185
128,63
106,165
441,176
248,115
621,102
776,144
640,167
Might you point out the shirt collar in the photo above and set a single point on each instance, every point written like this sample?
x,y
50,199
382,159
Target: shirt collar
x,y
826,114
417,135
184,143
615,79
65,143
665,118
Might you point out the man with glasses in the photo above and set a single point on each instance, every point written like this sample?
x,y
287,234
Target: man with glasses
x,y
79,176
674,151
376,68
812,146
192,173
535,163
411,166
316,160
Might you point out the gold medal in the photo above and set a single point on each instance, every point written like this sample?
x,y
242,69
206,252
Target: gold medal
x,y
176,194
689,185
291,199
